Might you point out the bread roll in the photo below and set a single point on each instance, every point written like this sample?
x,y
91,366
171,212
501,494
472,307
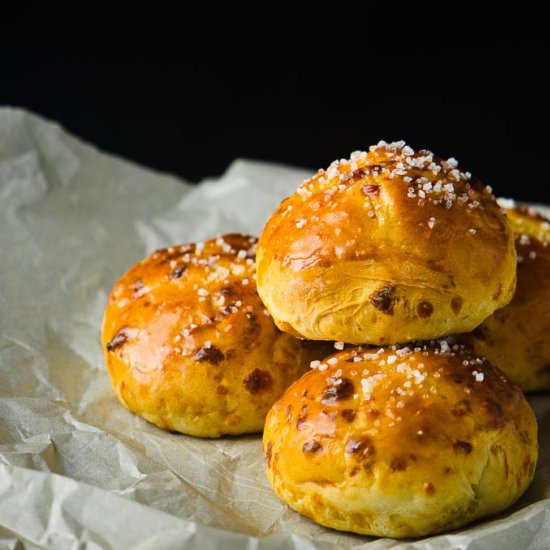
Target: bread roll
x,y
390,246
516,338
190,347
401,442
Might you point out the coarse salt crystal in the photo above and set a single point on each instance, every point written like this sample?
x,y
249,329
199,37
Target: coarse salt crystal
x,y
506,203
455,174
237,269
332,361
452,162
368,384
339,345
449,187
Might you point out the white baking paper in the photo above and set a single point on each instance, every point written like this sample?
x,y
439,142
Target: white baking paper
x,y
77,470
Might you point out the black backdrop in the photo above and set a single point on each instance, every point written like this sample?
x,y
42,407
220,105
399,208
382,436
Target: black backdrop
x,y
187,94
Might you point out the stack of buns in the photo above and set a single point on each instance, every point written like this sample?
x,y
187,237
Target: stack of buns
x,y
410,432
407,266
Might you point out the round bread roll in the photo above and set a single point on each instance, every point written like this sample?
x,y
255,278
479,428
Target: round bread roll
x,y
390,246
401,442
190,347
516,338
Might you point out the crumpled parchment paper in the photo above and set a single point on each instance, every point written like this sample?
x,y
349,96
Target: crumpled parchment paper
x,y
76,469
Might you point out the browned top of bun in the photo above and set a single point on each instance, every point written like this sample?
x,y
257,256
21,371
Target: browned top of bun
x,y
525,220
387,394
318,225
215,296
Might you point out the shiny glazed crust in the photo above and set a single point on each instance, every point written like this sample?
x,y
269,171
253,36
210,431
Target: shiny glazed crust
x,y
516,338
390,246
190,347
401,442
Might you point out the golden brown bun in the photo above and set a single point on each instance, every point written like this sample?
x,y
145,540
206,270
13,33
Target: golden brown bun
x,y
390,246
190,347
403,443
516,338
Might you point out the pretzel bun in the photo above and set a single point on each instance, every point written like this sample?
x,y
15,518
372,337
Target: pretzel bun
x,y
516,338
390,246
401,442
190,347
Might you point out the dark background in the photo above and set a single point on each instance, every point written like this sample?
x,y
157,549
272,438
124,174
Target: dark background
x,y
187,94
